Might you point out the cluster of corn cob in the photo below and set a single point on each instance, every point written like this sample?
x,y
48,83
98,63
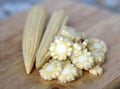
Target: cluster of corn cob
x,y
61,52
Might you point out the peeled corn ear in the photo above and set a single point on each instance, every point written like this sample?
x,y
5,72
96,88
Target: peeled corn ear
x,y
57,20
33,32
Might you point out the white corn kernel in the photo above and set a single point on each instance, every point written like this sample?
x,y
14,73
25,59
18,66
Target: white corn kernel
x,y
77,48
84,44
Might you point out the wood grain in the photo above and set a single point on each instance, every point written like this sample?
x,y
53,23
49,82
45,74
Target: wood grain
x,y
95,22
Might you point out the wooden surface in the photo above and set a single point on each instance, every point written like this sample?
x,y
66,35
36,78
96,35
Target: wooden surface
x,y
94,22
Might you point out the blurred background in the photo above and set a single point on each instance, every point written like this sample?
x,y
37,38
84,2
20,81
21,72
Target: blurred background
x,y
10,7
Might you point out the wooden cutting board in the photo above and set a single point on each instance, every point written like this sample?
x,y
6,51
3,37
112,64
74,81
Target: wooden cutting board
x,y
95,22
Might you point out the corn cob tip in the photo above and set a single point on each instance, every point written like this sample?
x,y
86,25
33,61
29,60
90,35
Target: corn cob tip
x,y
38,65
44,59
28,70
28,67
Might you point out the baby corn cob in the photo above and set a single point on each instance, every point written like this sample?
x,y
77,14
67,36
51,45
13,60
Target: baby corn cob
x,y
96,70
57,20
97,45
72,34
69,73
99,57
51,70
60,48
83,60
33,32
